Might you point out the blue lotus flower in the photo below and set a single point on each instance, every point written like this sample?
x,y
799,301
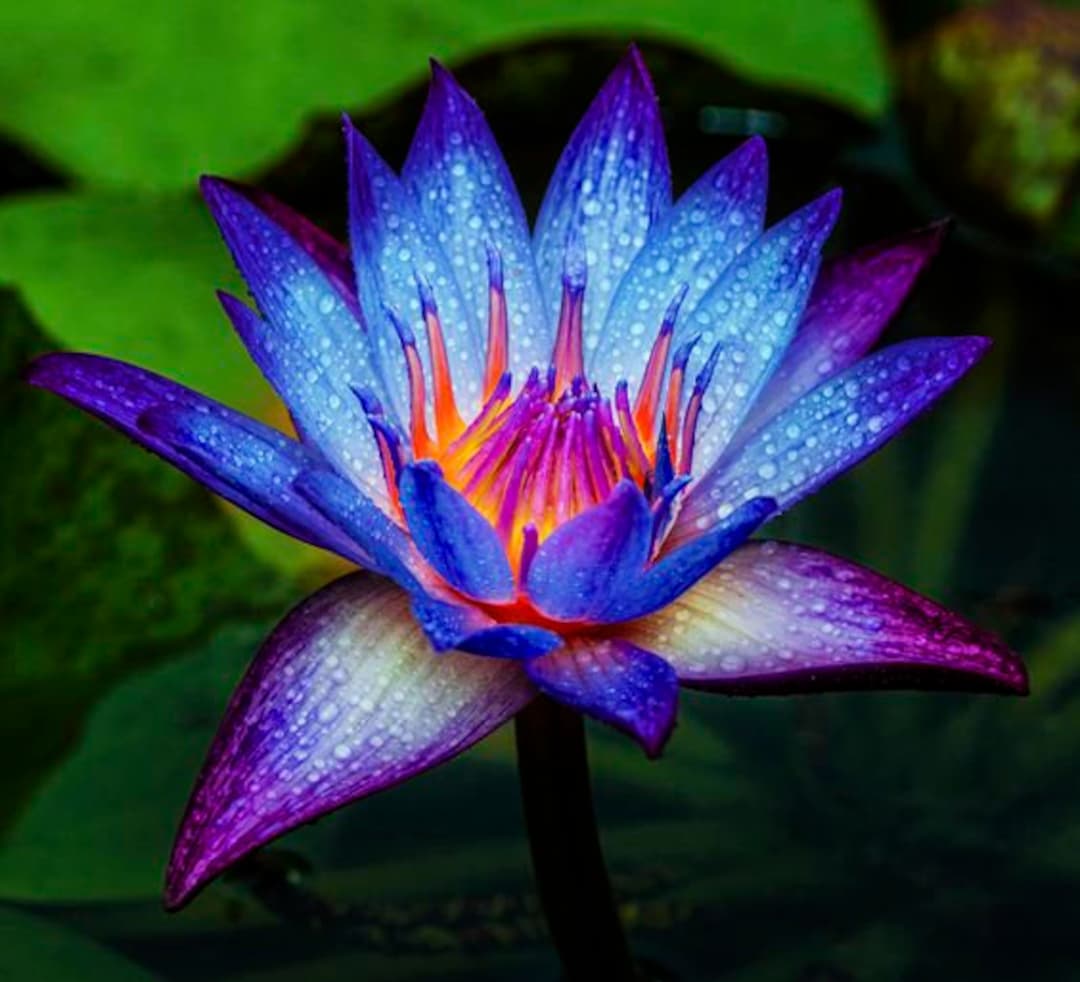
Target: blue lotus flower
x,y
548,451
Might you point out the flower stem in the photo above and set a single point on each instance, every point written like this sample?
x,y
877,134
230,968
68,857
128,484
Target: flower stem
x,y
571,877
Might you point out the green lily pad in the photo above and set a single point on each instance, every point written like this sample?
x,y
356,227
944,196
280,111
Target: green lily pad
x,y
166,91
115,562
37,948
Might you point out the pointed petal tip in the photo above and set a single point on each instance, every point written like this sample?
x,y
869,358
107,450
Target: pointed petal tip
x,y
633,63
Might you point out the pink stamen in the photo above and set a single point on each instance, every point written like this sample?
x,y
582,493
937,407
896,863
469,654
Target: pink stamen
x,y
498,343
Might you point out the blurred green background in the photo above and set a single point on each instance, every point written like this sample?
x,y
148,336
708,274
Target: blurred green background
x,y
829,839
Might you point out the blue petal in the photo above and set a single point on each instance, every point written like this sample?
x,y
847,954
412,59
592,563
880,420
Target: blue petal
x,y
120,394
463,188
680,569
448,623
751,314
582,567
394,251
611,185
331,256
839,423
615,682
324,408
453,536
260,463
511,641
367,525
693,244
851,303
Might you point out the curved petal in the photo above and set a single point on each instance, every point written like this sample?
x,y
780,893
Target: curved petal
x,y
463,188
778,618
831,429
263,462
586,564
615,682
448,622
457,541
677,571
747,320
692,244
344,699
395,255
324,407
331,256
610,186
853,300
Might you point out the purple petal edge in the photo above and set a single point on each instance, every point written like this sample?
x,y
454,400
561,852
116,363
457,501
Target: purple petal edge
x,y
344,699
780,618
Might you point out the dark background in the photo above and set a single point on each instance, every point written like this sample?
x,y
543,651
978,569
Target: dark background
x,y
821,839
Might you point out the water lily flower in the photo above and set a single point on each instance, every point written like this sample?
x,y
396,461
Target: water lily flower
x,y
546,451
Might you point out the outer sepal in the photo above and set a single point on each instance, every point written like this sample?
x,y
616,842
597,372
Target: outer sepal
x,y
344,699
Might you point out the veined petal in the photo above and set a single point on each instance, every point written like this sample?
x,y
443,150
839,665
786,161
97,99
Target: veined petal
x,y
610,186
463,188
395,252
853,300
586,564
322,404
747,320
458,542
614,682
839,423
120,394
345,699
778,618
692,244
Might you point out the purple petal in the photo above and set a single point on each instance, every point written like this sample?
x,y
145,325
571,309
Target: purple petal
x,y
394,252
778,618
614,682
256,477
693,244
457,541
851,303
344,699
582,567
462,186
610,186
751,314
839,423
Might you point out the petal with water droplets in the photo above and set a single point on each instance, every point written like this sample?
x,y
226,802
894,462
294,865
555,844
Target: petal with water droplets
x,y
344,699
463,188
839,423
610,186
779,618
615,682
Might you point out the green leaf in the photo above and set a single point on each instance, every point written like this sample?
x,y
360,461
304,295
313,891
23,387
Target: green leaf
x,y
37,948
134,278
148,93
102,824
114,561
